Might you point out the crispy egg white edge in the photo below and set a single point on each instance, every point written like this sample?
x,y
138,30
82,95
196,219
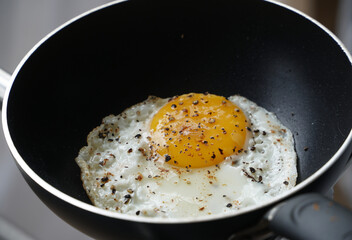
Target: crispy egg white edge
x,y
281,132
85,152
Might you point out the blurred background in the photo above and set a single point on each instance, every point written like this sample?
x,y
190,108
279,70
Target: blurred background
x,y
22,24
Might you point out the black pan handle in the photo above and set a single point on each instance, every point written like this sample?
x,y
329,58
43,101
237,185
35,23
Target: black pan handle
x,y
311,217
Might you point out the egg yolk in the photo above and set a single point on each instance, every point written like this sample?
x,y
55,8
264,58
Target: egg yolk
x,y
198,130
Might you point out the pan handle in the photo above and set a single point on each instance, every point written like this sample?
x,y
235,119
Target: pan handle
x,y
311,216
4,80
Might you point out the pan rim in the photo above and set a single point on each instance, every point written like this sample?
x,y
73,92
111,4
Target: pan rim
x,y
120,216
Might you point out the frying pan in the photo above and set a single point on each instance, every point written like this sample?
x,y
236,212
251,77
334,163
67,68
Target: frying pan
x,y
116,55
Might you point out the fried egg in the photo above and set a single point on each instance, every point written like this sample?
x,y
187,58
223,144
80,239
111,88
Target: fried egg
x,y
189,155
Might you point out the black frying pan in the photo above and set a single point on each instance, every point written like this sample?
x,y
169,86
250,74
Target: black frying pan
x,y
114,57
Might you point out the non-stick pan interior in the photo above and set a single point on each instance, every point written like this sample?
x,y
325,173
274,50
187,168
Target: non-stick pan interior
x,y
117,56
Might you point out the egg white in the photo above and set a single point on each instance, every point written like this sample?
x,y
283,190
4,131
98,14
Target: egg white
x,y
120,173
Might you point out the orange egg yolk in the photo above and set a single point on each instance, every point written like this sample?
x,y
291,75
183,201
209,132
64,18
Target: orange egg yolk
x,y
198,130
